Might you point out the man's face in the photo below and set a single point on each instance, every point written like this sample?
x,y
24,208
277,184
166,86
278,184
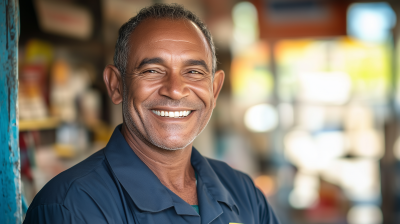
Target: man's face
x,y
169,72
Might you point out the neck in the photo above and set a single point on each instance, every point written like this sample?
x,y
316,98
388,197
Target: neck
x,y
172,167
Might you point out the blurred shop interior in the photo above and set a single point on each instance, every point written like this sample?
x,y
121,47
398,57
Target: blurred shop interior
x,y
309,109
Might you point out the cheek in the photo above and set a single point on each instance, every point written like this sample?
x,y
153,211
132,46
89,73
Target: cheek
x,y
204,92
141,90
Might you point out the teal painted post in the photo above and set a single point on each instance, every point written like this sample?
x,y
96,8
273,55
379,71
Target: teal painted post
x,y
10,180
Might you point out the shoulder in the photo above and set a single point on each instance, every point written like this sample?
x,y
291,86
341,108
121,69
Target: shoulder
x,y
223,169
229,176
56,190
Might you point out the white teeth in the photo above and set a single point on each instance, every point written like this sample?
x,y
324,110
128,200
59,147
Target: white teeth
x,y
172,114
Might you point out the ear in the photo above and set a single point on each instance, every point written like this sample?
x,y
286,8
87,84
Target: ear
x,y
218,81
113,81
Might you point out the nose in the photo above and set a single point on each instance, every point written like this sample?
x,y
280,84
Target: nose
x,y
174,87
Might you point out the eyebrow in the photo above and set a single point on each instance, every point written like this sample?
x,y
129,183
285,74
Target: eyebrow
x,y
147,61
197,62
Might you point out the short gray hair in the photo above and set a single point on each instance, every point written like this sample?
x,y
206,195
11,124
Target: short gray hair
x,y
156,11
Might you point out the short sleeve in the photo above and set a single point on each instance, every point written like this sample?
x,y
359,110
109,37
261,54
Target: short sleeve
x,y
49,214
267,215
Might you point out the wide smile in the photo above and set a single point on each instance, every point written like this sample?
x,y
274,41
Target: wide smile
x,y
172,114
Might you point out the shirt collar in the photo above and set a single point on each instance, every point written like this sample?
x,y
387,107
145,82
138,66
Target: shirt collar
x,y
211,180
145,188
138,180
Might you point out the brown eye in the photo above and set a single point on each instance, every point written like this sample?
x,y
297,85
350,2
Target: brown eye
x,y
150,71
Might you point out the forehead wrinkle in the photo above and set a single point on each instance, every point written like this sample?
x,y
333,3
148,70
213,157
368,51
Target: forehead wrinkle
x,y
175,41
165,54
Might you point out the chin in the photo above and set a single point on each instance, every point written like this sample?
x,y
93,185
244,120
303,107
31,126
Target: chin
x,y
172,145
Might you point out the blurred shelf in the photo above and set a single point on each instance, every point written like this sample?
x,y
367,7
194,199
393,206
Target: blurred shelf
x,y
102,132
39,124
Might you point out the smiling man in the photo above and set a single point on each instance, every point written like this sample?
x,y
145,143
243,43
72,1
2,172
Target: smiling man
x,y
165,77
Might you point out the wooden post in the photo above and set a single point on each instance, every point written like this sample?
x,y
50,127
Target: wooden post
x,y
10,180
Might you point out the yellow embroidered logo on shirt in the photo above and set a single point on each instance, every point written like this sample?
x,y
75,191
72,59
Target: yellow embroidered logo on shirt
x,y
235,223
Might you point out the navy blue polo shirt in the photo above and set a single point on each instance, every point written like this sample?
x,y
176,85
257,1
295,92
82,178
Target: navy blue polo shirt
x,y
115,186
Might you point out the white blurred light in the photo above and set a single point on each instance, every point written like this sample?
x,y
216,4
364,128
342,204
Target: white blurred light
x,y
305,191
314,154
367,143
318,114
370,21
359,178
333,172
325,87
331,145
286,115
365,214
300,149
245,31
358,117
261,118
